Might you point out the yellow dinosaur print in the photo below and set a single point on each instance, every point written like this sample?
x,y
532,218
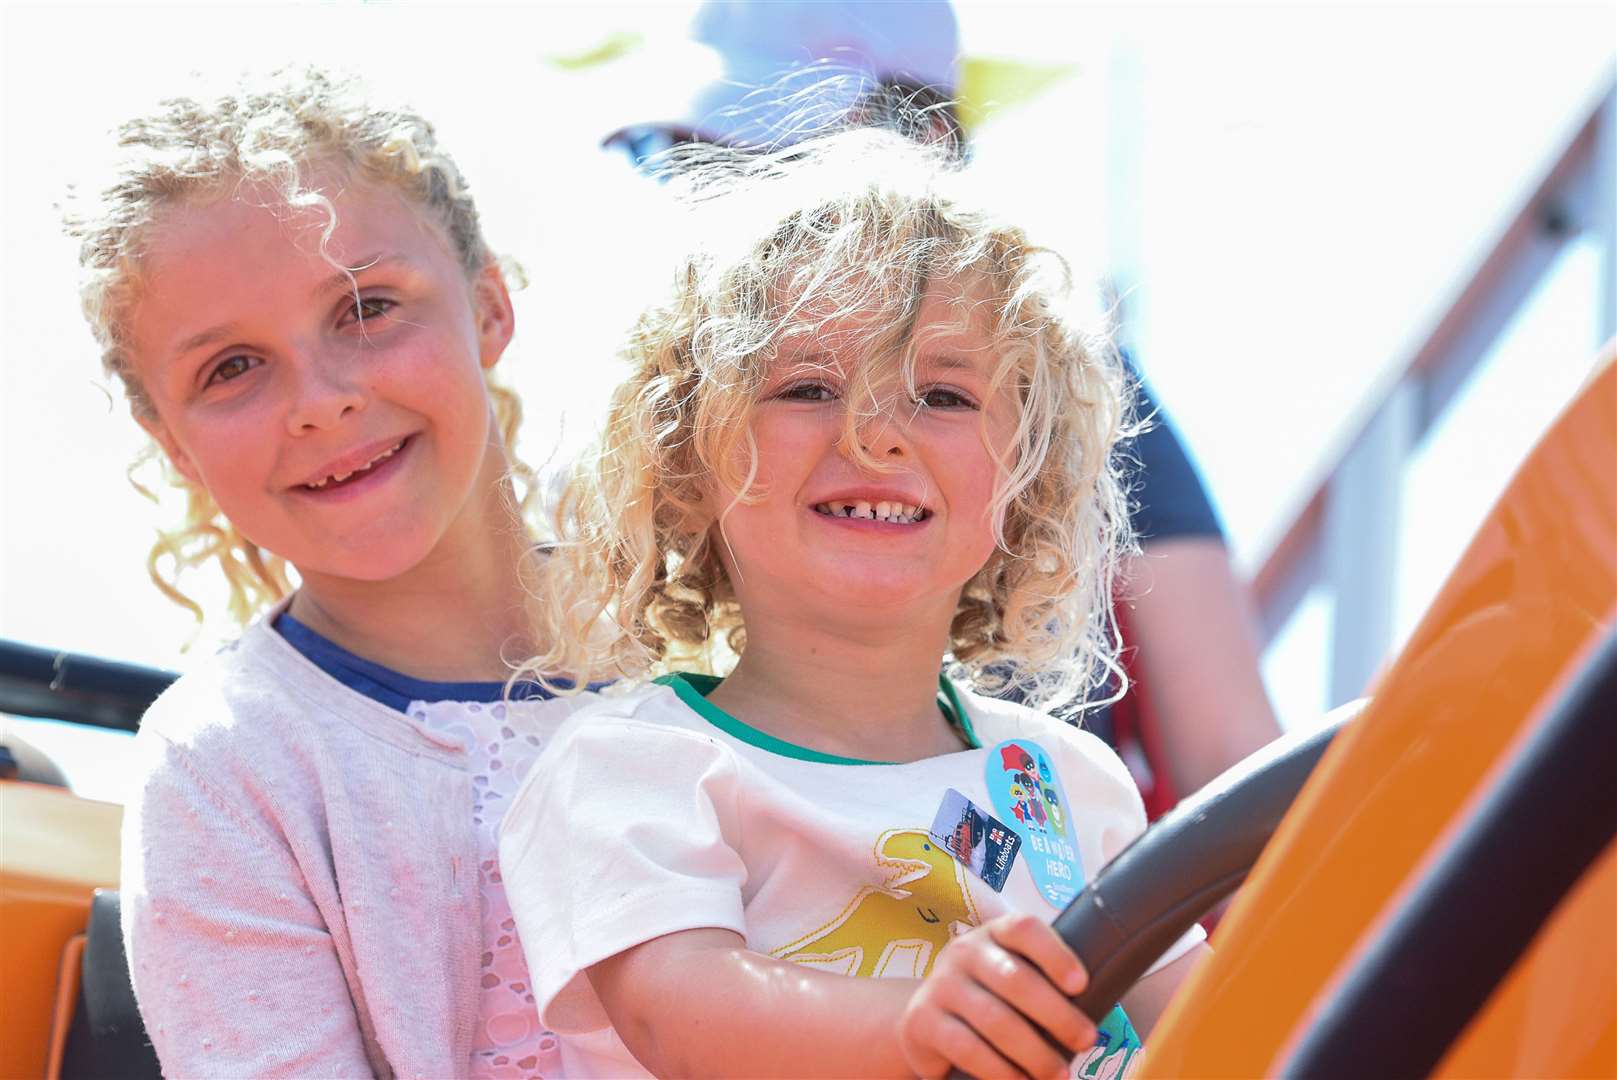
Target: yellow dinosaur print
x,y
895,929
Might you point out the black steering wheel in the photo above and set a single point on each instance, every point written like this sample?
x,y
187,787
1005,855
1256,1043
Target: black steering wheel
x,y
1186,862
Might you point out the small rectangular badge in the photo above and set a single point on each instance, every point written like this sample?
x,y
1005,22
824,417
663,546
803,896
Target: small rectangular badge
x,y
983,843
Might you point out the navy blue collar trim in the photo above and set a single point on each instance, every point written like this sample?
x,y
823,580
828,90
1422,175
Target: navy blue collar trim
x,y
392,688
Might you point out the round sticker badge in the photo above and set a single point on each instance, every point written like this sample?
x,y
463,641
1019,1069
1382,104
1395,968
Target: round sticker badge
x,y
1028,797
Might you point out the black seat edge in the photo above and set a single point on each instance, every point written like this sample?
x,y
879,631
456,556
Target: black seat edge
x,y
107,1037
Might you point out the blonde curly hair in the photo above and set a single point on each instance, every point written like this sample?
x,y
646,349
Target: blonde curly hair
x,y
798,245
269,131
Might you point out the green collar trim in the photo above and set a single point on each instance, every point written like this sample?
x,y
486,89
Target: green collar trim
x,y
955,710
693,689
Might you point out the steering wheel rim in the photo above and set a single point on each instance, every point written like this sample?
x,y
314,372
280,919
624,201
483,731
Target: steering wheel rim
x,y
1185,863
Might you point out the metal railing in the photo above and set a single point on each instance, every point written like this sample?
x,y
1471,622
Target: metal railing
x,y
1346,533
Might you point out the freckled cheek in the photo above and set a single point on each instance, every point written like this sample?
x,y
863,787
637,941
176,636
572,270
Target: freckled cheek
x,y
982,543
231,456
973,501
435,384
747,540
786,456
417,365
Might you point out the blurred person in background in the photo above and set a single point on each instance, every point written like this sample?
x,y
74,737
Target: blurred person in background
x,y
794,68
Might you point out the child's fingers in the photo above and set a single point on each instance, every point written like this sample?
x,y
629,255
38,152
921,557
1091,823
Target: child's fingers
x,y
964,1049
1035,940
1007,1030
1018,986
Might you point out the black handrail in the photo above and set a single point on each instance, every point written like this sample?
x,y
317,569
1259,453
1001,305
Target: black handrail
x,y
59,685
1470,916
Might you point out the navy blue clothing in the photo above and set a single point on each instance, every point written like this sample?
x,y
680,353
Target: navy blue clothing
x,y
383,684
1168,496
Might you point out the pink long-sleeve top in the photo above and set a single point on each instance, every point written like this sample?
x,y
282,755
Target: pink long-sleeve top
x,y
301,874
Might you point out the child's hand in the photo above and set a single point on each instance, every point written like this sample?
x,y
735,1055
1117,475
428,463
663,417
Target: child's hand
x,y
978,1008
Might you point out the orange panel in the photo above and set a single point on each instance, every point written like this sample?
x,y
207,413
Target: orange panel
x,y
68,976
55,849
1556,1013
1537,583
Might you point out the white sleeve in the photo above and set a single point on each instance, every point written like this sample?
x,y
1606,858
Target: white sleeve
x,y
619,834
1125,824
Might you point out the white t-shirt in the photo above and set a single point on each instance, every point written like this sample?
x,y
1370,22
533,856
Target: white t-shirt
x,y
657,812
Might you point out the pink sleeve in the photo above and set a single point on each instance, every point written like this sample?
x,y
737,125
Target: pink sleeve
x,y
233,967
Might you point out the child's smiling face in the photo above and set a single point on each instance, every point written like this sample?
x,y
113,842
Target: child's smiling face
x,y
829,534
352,447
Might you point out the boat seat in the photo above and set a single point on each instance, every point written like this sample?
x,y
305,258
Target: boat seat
x,y
107,1038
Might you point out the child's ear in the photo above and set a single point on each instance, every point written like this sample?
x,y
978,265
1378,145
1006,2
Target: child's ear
x,y
164,438
491,306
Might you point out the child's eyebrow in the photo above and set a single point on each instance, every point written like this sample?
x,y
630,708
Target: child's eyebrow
x,y
805,363
343,280
945,362
206,337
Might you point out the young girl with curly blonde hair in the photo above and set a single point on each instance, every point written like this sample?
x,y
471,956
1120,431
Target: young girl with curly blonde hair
x,y
294,288
861,436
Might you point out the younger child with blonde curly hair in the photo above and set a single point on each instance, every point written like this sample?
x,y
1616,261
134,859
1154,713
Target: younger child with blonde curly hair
x,y
294,288
860,436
